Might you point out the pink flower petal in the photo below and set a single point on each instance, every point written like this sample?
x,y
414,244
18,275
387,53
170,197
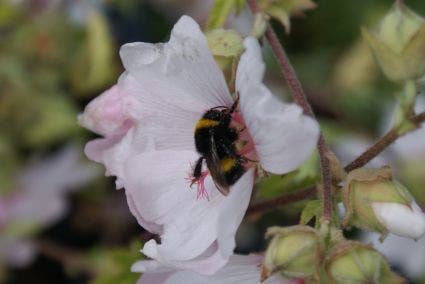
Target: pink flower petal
x,y
108,114
159,192
17,253
181,71
239,269
283,137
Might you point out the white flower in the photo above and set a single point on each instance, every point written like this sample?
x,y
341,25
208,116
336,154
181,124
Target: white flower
x,y
406,254
400,219
149,143
239,269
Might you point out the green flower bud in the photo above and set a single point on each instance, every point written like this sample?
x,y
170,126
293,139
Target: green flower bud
x,y
226,47
283,10
399,44
355,262
375,202
295,252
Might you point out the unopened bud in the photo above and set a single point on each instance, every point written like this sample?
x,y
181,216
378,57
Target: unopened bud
x,y
399,44
226,47
295,252
375,202
355,262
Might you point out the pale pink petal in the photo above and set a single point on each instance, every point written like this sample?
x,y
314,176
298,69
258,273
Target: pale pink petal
x,y
159,114
251,65
181,71
207,263
239,269
108,114
233,211
17,253
46,182
160,193
57,173
30,207
283,137
113,152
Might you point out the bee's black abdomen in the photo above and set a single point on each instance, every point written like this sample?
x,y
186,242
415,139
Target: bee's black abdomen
x,y
233,175
203,140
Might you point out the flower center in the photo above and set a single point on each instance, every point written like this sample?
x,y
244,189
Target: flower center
x,y
244,145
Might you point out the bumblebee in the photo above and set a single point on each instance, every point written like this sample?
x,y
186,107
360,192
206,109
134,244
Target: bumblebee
x,y
215,141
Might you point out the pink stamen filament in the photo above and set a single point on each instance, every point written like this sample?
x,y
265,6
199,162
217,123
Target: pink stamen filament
x,y
201,192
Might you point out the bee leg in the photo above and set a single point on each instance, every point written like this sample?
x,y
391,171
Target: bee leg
x,y
197,171
245,159
235,105
242,129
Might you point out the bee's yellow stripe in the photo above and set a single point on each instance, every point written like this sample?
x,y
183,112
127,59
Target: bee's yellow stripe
x,y
227,164
206,123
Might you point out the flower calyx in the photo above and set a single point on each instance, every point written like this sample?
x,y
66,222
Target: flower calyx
x,y
399,44
374,201
294,252
356,262
226,47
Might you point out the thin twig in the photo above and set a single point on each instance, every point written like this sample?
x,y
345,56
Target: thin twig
x,y
308,193
381,145
299,97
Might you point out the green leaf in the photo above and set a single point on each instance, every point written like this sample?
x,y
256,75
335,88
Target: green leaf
x,y
259,27
21,228
220,11
311,210
54,120
113,265
94,68
239,4
306,175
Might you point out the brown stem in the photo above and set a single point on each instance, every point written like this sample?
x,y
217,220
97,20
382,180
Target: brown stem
x,y
381,145
282,200
418,119
299,97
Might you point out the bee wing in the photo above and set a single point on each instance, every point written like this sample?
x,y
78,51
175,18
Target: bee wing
x,y
216,171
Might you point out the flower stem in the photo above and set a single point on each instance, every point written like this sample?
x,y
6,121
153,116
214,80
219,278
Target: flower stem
x,y
299,97
382,144
307,193
405,108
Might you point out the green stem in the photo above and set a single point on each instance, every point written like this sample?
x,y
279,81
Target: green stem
x,y
405,108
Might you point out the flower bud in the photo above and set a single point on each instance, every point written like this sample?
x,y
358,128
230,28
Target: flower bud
x,y
226,47
355,262
295,252
375,202
399,44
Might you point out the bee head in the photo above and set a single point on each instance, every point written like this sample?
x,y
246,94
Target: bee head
x,y
221,115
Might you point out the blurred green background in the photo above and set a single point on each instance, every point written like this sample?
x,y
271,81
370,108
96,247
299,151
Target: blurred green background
x,y
62,221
